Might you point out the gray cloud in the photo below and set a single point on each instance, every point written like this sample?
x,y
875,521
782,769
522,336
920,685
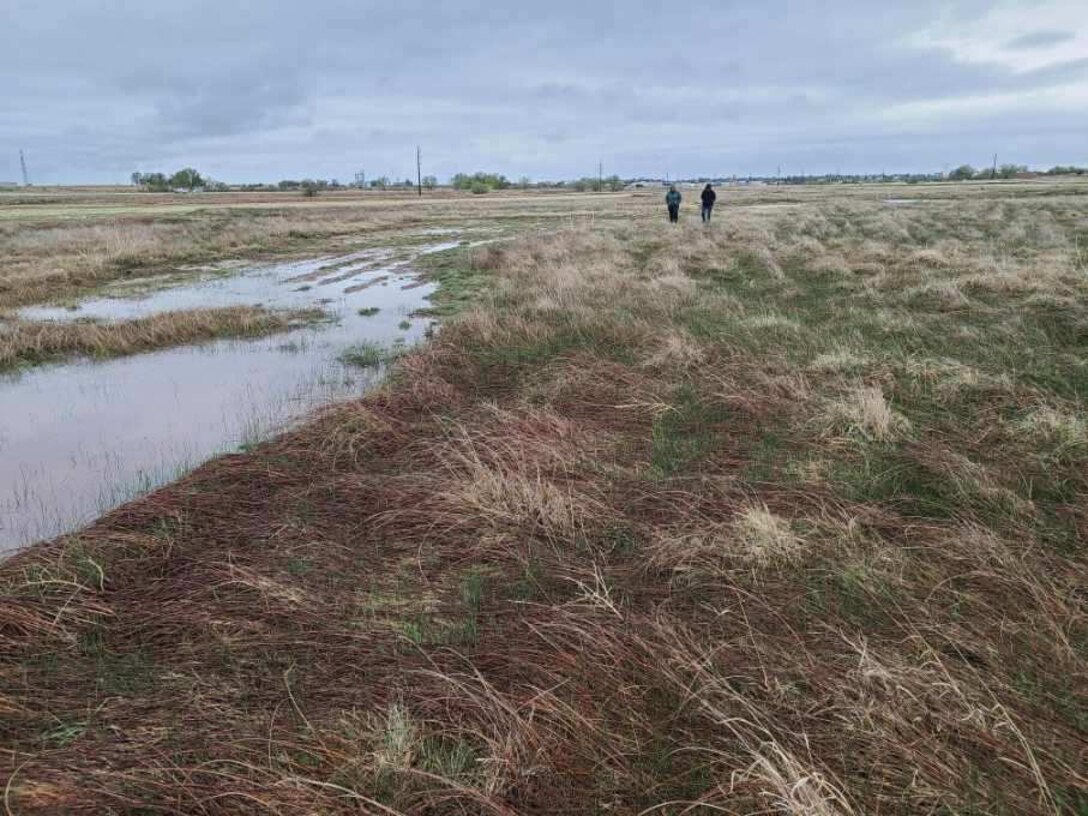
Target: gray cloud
x,y
260,91
1038,39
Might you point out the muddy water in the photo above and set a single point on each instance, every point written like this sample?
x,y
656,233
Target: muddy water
x,y
80,438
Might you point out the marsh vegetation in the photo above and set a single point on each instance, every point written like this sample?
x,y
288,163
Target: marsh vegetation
x,y
782,515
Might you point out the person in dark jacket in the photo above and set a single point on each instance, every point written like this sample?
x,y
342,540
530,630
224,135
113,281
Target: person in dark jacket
x,y
709,197
672,201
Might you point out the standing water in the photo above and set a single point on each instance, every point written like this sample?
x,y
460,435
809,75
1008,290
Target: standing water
x,y
80,438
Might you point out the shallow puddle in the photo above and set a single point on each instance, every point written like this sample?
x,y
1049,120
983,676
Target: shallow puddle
x,y
78,439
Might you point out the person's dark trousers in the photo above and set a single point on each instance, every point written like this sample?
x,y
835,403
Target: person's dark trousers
x,y
674,214
708,209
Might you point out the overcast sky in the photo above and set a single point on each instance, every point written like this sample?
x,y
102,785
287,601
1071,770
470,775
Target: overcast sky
x,y
255,90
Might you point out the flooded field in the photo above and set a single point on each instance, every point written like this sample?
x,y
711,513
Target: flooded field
x,y
79,438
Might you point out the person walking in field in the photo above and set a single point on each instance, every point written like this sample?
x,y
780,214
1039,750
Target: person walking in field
x,y
672,201
709,197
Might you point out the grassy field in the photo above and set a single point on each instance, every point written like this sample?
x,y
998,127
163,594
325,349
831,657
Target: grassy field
x,y
66,244
783,515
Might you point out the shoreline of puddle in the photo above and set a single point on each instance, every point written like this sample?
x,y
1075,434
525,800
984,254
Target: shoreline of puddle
x,y
78,439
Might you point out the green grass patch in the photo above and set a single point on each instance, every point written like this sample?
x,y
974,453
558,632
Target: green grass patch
x,y
685,433
368,355
459,280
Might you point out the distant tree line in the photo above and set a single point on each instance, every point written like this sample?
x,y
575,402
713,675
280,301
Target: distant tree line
x,y
480,182
966,172
185,179
597,185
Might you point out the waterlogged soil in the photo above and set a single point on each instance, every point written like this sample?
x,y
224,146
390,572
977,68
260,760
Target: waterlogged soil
x,y
80,438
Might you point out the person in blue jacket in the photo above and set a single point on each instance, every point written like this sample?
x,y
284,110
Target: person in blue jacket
x,y
672,201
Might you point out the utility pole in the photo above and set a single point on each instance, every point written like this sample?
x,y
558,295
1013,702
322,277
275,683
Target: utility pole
x,y
600,176
994,175
419,172
22,162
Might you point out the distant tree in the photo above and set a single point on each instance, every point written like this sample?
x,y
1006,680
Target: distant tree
x,y
595,184
309,187
187,179
430,182
479,188
525,182
379,183
492,181
137,179
289,184
962,173
154,182
1008,171
1066,170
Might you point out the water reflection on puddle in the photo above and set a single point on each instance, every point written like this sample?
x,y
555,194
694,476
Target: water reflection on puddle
x,y
80,438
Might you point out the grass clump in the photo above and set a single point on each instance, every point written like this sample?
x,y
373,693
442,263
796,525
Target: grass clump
x,y
1062,433
26,343
368,355
766,539
865,412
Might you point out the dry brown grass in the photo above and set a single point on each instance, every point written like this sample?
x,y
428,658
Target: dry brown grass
x,y
66,245
641,532
24,342
865,411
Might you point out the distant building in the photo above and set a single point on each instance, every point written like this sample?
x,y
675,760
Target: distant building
x,y
8,185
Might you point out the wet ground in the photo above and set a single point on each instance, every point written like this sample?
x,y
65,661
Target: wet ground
x,y
80,438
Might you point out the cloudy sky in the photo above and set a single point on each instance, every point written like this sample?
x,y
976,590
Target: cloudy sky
x,y
252,90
